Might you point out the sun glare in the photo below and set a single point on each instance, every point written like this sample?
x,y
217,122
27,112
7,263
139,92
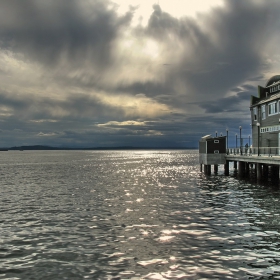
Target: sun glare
x,y
177,8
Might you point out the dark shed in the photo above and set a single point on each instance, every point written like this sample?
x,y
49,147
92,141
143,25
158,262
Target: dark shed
x,y
212,150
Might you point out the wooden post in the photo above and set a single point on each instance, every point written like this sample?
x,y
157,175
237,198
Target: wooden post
x,y
205,169
226,167
247,168
215,168
235,164
259,171
208,169
265,172
241,169
275,173
201,167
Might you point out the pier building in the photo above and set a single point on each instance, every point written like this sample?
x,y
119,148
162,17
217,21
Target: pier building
x,y
263,157
265,115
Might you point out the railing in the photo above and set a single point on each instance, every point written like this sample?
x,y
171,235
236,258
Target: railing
x,y
261,151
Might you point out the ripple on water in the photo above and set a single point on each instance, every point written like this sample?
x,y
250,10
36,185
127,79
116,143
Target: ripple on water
x,y
132,215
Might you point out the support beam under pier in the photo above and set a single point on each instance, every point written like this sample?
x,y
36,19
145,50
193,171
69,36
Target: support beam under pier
x,y
247,168
259,171
207,169
275,173
226,166
241,169
215,168
265,172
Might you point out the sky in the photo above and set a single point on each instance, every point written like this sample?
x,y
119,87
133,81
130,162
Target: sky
x,y
100,73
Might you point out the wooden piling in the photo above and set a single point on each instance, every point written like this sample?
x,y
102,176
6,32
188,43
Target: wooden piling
x,y
215,168
259,171
275,173
265,172
226,167
241,169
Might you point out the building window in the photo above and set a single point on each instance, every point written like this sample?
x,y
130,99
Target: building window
x,y
272,108
216,152
255,118
216,141
263,112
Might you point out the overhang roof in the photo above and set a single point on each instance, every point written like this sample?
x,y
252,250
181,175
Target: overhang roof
x,y
268,99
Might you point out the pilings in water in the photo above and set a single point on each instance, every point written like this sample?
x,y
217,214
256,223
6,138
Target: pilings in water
x,y
275,173
216,168
207,168
226,168
245,167
241,169
259,171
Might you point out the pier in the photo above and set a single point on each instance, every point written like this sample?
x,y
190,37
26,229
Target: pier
x,y
264,161
264,154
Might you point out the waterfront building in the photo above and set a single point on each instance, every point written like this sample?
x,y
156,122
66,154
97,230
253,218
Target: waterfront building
x,y
265,115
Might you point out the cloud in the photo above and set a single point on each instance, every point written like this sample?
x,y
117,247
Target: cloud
x,y
214,53
122,124
82,68
55,32
41,134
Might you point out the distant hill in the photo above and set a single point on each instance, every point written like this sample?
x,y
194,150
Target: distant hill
x,y
35,147
46,148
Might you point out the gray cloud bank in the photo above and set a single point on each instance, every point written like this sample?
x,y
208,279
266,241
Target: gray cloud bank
x,y
77,73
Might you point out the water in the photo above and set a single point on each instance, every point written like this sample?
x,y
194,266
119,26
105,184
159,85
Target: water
x,y
132,215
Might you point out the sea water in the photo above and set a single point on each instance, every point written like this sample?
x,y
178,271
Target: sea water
x,y
132,215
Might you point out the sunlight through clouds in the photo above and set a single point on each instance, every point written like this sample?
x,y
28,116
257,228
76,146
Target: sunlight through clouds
x,y
136,106
125,123
171,69
176,8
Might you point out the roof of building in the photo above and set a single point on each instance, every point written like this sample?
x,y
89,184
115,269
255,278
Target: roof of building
x,y
209,137
273,80
270,98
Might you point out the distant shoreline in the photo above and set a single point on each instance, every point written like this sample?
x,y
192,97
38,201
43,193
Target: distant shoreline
x,y
50,148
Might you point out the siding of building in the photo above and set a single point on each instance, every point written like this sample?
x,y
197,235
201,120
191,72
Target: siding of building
x,y
270,125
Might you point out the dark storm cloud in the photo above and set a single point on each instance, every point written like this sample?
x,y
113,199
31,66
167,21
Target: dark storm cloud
x,y
48,31
205,70
222,48
231,103
79,106
218,51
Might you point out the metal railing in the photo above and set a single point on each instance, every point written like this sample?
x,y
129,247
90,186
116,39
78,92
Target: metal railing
x,y
261,151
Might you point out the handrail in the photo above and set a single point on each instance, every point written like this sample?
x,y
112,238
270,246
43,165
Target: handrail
x,y
267,151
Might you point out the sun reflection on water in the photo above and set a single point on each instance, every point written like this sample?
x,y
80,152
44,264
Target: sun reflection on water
x,y
133,215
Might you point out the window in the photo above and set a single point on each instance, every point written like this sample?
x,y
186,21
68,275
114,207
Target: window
x,y
216,152
255,118
216,141
272,108
263,112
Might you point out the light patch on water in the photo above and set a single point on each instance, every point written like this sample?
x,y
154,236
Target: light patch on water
x,y
192,227
153,261
166,238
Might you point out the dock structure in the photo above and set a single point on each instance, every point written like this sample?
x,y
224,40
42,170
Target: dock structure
x,y
264,165
264,155
212,151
